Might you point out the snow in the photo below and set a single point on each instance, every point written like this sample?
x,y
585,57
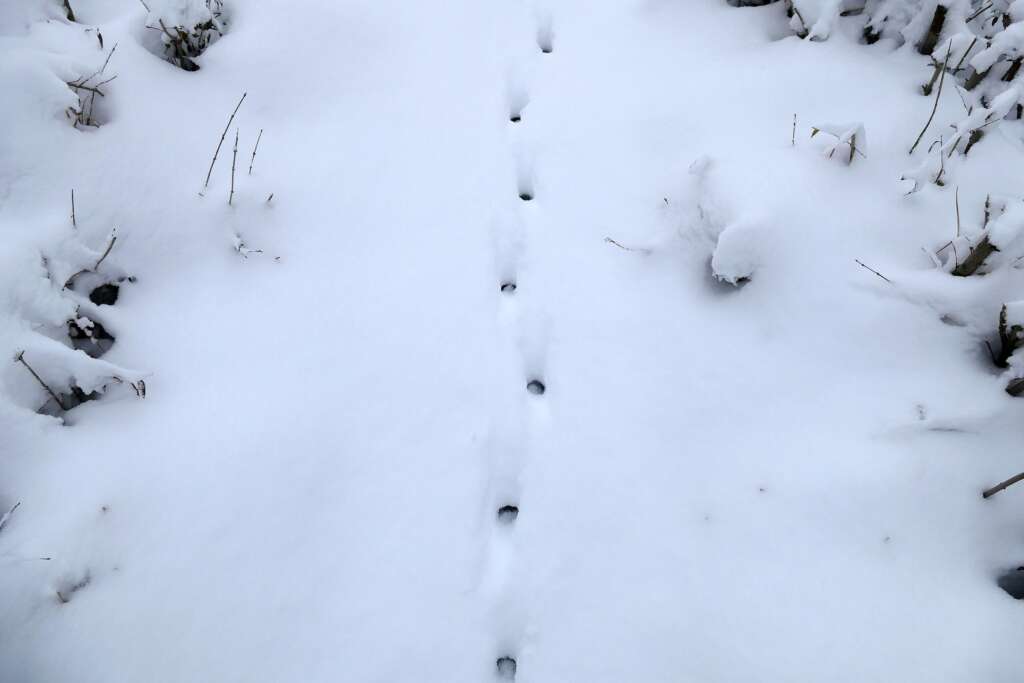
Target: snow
x,y
778,481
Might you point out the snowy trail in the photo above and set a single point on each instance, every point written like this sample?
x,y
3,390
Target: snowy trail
x,y
705,487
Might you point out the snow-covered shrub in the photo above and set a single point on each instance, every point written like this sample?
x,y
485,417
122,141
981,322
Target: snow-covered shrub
x,y
978,44
736,255
186,28
849,139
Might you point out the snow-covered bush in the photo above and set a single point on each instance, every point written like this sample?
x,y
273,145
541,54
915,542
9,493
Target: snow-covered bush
x,y
978,44
849,139
186,28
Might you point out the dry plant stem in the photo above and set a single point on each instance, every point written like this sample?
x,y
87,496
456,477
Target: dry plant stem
x,y
106,252
234,159
7,515
74,223
609,240
20,358
862,265
255,147
956,199
222,136
938,94
792,139
988,493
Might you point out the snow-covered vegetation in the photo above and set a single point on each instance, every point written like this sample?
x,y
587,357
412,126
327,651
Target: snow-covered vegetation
x,y
539,340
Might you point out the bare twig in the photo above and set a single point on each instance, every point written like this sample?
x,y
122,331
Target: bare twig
x,y
988,493
20,358
938,94
74,223
862,265
145,5
978,13
792,139
254,148
222,136
7,515
956,199
234,158
609,240
110,245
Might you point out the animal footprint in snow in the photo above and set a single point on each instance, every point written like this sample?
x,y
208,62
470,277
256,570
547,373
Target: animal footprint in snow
x,y
508,513
506,668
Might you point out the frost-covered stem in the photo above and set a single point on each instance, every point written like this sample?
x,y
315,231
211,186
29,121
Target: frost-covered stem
x,y
938,94
20,358
988,493
254,148
222,136
234,159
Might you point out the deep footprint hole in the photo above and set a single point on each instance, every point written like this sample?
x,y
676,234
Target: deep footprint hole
x,y
536,387
506,668
526,196
508,287
1012,581
508,513
105,294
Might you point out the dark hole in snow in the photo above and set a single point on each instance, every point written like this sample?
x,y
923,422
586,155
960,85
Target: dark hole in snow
x,y
71,400
508,287
506,667
92,338
105,294
1012,582
515,118
546,49
508,513
526,196
536,387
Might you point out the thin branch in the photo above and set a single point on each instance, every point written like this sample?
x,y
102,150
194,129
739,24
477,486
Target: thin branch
x,y
609,240
861,264
145,5
255,147
110,245
792,139
20,358
234,158
7,515
988,493
956,198
103,68
978,13
222,136
938,94
74,223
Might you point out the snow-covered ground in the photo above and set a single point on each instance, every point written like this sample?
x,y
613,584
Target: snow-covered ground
x,y
776,481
